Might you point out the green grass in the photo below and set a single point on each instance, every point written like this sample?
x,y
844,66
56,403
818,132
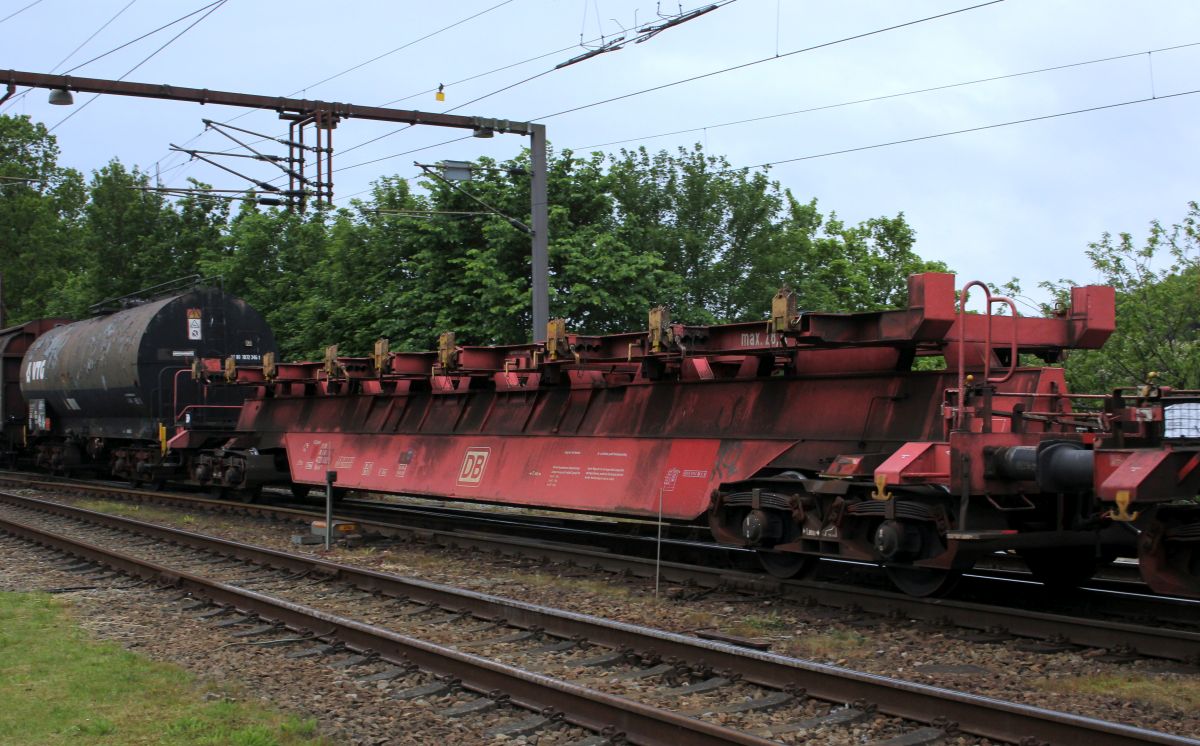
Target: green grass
x,y
1173,692
60,687
763,624
836,644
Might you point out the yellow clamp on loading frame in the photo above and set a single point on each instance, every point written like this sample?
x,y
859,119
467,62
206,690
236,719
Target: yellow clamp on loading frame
x,y
380,356
556,339
331,365
162,438
881,491
447,352
1122,512
783,310
268,366
660,329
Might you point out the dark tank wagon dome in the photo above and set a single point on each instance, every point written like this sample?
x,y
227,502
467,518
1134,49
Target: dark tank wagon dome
x,y
121,375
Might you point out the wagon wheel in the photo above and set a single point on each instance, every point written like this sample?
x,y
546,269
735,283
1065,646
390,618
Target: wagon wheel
x,y
300,491
788,564
1062,568
923,581
1169,552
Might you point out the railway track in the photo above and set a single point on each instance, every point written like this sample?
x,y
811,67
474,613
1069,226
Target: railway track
x,y
1122,623
659,687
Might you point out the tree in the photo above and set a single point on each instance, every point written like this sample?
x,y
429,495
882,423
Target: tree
x,y
833,266
128,233
627,232
40,211
715,229
1158,309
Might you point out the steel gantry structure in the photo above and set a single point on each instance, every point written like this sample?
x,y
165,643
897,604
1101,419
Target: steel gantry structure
x,y
325,115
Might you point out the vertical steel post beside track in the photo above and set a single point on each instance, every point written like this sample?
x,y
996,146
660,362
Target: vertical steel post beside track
x,y
541,230
330,478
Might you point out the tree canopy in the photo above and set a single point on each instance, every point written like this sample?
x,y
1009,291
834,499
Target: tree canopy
x,y
627,232
1158,309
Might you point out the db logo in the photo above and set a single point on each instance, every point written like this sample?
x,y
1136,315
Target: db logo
x,y
472,466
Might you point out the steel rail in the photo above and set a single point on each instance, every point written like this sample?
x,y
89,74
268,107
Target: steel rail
x,y
579,705
974,714
1148,641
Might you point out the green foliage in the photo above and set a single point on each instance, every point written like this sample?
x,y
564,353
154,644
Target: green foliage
x,y
729,239
627,232
1158,309
61,687
41,208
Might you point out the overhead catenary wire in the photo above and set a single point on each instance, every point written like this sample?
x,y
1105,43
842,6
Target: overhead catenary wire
x,y
410,152
427,91
887,96
16,13
212,9
965,130
148,34
12,102
648,32
511,220
687,79
94,34
653,88
695,12
407,152
429,35
763,60
404,46
105,25
372,188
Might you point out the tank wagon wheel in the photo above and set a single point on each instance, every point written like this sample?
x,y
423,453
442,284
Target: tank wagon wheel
x,y
923,582
788,565
1060,569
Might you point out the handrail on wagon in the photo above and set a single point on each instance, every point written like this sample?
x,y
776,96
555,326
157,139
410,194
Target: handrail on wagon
x,y
987,343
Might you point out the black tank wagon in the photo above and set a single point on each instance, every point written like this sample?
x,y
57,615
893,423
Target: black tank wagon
x,y
108,391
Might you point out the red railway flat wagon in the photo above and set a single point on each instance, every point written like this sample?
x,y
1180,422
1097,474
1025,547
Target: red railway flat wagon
x,y
806,435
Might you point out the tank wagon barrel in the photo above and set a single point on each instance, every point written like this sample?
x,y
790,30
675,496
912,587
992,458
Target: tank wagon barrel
x,y
106,392
805,435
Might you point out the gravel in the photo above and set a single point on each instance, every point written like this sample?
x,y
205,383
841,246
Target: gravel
x,y
1081,681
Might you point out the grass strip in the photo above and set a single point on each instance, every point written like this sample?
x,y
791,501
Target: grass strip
x,y
60,686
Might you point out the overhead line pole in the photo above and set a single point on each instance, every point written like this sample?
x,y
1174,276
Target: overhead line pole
x,y
541,230
330,112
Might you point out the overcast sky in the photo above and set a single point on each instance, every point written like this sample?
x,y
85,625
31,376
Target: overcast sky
x,y
1014,201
